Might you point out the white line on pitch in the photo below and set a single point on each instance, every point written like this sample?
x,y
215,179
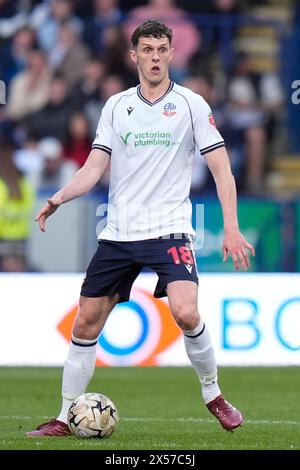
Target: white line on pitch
x,y
166,420
209,420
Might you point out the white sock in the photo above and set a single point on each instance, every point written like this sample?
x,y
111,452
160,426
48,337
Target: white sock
x,y
78,371
201,354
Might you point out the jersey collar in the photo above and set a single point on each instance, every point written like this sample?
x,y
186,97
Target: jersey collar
x,y
150,103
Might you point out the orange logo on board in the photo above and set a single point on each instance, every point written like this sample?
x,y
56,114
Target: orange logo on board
x,y
136,333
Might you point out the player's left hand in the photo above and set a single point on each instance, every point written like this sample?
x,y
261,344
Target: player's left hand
x,y
235,245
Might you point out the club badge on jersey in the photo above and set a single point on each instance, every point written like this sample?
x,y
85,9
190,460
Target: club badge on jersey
x,y
211,120
169,109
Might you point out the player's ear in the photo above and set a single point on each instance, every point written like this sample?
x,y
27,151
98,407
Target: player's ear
x,y
132,55
171,53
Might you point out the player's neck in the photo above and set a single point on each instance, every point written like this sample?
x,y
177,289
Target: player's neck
x,y
154,92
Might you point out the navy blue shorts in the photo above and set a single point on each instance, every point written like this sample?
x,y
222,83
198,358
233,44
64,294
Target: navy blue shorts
x,y
115,265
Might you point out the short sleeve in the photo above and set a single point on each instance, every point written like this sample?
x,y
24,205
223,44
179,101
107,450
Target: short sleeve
x,y
207,136
103,138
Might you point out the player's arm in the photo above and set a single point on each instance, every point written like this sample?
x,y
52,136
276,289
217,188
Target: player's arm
x,y
82,182
234,243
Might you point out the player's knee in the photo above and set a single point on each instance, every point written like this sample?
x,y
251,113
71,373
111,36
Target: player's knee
x,y
186,316
86,328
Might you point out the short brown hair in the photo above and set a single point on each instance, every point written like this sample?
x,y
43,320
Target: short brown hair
x,y
148,28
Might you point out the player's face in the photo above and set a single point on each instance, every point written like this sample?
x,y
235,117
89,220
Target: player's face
x,y
153,57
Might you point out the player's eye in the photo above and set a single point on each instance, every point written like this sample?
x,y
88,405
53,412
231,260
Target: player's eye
x,y
162,49
147,50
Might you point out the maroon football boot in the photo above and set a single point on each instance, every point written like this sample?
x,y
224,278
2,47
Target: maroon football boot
x,y
51,428
228,416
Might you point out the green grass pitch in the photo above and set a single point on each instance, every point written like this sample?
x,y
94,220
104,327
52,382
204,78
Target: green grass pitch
x,y
159,408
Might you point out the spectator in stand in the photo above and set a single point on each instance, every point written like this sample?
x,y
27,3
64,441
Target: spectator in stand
x,y
202,85
201,177
116,57
16,203
244,129
53,118
79,142
29,90
241,123
106,14
254,109
28,159
266,91
88,87
111,85
69,56
14,53
186,37
47,19
56,170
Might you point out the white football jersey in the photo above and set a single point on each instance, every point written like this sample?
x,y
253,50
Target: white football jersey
x,y
152,146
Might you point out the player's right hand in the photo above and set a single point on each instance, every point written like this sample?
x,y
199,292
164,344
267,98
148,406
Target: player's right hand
x,y
48,209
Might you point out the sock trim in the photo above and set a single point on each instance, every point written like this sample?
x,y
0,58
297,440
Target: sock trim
x,y
196,336
83,345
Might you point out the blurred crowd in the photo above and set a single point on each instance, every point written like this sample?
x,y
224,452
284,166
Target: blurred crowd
x,y
62,59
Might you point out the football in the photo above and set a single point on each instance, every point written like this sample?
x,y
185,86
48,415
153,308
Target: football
x,y
93,415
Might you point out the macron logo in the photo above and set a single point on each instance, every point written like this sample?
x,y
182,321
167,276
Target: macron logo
x,y
189,267
125,139
129,110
